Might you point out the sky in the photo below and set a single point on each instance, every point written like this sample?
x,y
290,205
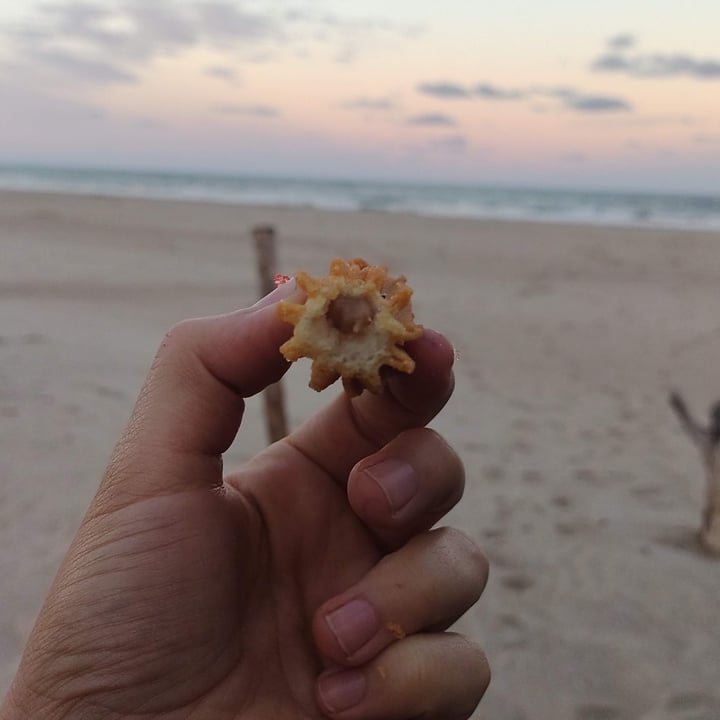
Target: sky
x,y
618,94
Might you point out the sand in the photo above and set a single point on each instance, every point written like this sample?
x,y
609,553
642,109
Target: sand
x,y
581,488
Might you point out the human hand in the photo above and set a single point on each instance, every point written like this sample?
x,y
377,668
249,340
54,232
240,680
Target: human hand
x,y
281,591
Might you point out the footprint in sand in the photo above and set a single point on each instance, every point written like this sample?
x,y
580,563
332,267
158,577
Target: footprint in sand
x,y
598,712
72,409
586,475
493,473
534,289
628,414
494,533
569,529
562,501
533,477
513,631
589,435
693,706
517,582
521,446
648,493
109,392
682,538
522,425
616,433
576,527
472,446
520,405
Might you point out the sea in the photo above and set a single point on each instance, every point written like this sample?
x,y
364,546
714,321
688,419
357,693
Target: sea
x,y
633,209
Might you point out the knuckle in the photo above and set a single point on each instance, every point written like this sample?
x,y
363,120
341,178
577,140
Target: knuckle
x,y
178,352
180,334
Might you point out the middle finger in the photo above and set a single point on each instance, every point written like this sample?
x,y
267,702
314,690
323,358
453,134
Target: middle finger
x,y
407,486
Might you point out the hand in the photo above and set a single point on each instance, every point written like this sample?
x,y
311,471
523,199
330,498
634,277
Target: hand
x,y
281,591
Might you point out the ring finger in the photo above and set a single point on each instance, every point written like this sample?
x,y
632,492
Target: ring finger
x,y
428,583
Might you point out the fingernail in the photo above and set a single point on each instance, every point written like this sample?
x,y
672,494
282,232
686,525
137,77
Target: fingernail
x,y
342,690
397,480
282,292
353,625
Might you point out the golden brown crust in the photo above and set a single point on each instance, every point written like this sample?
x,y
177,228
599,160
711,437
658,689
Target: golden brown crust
x,y
354,321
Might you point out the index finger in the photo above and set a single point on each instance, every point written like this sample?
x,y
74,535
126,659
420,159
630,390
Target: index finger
x,y
191,405
352,428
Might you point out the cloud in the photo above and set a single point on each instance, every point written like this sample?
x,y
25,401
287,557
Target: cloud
x,y
668,65
131,31
659,120
579,101
259,111
612,62
111,41
222,72
369,103
431,120
621,42
443,90
593,103
453,91
84,70
655,65
570,98
323,21
659,66
222,22
493,92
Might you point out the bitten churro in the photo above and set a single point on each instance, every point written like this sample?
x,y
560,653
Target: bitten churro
x,y
354,321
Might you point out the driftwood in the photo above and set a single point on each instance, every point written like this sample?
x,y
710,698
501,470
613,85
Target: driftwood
x,y
275,417
707,441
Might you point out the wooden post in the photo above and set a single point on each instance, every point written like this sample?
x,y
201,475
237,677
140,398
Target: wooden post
x,y
707,441
275,418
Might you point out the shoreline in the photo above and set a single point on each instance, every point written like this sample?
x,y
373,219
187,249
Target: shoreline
x,y
620,224
64,196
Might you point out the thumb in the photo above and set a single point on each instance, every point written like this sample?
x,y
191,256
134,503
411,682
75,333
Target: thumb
x,y
191,405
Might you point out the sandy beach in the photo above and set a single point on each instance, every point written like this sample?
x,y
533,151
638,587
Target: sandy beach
x,y
581,488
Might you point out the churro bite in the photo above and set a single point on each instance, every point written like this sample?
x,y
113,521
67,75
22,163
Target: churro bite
x,y
354,321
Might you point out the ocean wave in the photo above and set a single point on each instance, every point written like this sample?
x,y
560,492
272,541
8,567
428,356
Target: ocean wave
x,y
460,201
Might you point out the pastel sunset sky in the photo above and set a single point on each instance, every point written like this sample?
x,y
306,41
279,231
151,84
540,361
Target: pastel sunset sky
x,y
567,93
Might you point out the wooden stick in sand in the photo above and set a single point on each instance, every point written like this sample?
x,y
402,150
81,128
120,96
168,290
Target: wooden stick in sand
x,y
707,440
264,237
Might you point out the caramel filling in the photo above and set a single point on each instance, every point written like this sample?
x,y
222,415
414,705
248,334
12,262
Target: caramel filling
x,y
351,315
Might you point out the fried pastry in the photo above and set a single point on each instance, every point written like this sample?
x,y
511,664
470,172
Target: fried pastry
x,y
354,321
